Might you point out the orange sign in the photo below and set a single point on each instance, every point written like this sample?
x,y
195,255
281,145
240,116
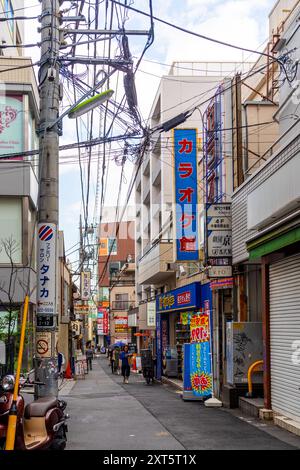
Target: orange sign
x,y
199,328
103,247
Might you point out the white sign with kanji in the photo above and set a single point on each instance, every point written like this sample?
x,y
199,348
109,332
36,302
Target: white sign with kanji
x,y
85,285
219,244
46,283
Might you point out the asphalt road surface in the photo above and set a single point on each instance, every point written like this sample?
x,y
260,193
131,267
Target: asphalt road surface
x,y
107,415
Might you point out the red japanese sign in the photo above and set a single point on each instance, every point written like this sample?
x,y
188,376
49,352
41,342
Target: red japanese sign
x,y
185,165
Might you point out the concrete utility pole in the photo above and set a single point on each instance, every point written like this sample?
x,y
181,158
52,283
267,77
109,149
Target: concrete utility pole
x,y
47,255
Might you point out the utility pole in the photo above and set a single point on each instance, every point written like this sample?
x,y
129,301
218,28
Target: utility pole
x,y
81,269
47,253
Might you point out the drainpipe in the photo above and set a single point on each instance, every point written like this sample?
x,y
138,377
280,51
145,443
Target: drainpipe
x,y
245,152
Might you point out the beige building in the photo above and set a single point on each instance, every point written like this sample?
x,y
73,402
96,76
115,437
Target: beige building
x,y
122,299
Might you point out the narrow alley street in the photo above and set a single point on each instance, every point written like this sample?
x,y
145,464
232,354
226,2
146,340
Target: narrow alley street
x,y
107,415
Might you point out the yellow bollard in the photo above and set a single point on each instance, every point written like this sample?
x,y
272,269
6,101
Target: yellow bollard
x,y
12,419
250,370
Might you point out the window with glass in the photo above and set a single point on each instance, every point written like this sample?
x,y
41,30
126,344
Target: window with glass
x,y
9,13
112,246
10,230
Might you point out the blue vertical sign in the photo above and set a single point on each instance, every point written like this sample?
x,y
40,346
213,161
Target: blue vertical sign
x,y
197,378
158,347
186,197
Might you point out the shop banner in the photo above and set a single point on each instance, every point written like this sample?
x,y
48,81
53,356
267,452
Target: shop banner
x,y
121,324
105,322
179,299
185,318
158,348
100,322
186,194
199,328
197,380
11,124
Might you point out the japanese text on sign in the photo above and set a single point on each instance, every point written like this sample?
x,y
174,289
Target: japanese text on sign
x,y
185,167
46,288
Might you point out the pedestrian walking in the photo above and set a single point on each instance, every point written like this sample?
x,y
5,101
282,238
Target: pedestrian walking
x,y
112,360
89,354
124,358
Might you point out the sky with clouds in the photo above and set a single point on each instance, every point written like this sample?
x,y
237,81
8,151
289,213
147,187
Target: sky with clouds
x,y
241,22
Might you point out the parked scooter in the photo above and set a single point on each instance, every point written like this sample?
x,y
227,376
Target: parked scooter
x,y
41,424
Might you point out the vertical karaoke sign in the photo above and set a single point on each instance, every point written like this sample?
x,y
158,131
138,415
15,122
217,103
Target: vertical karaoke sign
x,y
46,285
186,195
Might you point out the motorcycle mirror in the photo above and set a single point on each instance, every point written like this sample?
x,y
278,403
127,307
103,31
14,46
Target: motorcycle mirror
x,y
2,353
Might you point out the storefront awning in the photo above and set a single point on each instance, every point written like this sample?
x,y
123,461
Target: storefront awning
x,y
273,241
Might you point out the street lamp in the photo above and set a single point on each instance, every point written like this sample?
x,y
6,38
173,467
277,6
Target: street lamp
x,y
90,103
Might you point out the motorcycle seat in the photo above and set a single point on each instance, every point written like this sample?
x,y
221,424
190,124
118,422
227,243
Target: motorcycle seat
x,y
39,408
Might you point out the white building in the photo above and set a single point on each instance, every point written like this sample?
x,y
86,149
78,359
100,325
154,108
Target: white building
x,y
188,85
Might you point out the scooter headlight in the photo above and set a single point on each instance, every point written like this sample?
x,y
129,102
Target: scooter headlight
x,y
8,383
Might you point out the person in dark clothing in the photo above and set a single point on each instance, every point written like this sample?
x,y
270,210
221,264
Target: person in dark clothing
x,y
125,365
112,360
89,353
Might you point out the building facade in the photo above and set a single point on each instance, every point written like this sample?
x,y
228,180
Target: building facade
x,y
19,112
116,268
266,233
164,275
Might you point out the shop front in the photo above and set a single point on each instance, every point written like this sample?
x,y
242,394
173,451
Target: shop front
x,y
280,256
176,311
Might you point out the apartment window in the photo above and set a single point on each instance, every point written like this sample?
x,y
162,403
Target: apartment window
x,y
121,302
10,230
9,13
112,246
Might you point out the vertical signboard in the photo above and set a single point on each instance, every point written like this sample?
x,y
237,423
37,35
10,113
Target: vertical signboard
x,y
46,283
151,313
100,316
218,234
199,328
158,348
11,124
186,195
105,322
197,359
102,321
85,285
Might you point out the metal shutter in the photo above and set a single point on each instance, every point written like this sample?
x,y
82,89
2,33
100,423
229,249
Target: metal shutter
x,y
285,329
